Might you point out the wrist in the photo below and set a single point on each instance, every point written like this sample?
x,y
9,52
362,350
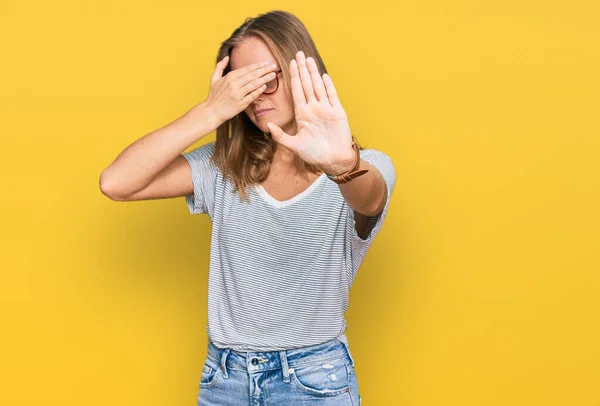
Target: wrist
x,y
208,114
342,166
351,173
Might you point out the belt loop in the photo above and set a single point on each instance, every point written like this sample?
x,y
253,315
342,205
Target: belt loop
x,y
284,366
347,350
224,362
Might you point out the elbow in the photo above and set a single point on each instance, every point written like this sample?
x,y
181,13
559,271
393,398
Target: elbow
x,y
108,188
377,206
370,212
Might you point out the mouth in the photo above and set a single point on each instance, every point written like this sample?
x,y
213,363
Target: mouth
x,y
262,112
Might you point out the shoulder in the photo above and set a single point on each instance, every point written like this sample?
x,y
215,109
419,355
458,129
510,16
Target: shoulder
x,y
371,153
205,149
201,154
383,162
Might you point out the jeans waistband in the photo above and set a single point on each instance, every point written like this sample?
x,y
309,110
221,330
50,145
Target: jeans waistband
x,y
285,359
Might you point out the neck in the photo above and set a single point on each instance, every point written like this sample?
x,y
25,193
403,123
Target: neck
x,y
283,155
283,160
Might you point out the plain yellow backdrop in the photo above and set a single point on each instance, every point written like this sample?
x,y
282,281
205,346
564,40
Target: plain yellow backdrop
x,y
483,285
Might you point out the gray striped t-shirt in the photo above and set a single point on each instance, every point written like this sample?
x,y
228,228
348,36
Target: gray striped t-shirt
x,y
280,271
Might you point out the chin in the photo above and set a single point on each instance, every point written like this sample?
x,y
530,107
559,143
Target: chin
x,y
288,127
262,126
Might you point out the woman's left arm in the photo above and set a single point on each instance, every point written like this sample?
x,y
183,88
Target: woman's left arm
x,y
366,194
324,138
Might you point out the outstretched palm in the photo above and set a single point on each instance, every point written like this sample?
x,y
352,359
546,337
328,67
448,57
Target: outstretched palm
x,y
324,138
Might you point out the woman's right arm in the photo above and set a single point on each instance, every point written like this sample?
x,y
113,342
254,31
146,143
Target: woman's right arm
x,y
153,167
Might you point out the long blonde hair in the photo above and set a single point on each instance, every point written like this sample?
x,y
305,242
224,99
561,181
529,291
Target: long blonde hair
x,y
242,151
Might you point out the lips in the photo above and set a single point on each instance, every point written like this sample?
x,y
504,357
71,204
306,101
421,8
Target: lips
x,y
261,112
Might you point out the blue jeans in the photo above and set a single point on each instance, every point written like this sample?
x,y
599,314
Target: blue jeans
x,y
321,374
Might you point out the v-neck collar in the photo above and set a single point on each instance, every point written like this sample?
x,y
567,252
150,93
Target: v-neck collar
x,y
278,203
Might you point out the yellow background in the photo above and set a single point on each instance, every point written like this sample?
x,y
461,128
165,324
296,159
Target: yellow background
x,y
483,286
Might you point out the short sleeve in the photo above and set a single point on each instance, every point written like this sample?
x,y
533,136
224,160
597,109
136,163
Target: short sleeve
x,y
204,175
384,164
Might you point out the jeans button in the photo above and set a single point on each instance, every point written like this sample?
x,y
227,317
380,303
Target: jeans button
x,y
254,361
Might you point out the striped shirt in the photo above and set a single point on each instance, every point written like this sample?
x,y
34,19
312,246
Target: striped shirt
x,y
280,271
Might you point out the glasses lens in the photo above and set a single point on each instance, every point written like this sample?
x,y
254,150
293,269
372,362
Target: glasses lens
x,y
271,86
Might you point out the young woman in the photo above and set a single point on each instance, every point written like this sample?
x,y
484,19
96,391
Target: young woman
x,y
294,204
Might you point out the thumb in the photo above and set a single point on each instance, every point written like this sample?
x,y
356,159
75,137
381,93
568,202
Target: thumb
x,y
218,73
280,136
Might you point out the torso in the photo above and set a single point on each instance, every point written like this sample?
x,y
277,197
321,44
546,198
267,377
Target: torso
x,y
284,186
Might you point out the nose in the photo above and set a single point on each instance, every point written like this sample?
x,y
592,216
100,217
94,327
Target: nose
x,y
259,98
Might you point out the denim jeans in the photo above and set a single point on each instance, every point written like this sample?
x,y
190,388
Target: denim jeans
x,y
321,374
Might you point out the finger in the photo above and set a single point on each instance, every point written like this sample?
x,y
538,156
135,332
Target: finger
x,y
253,95
255,74
331,92
256,83
281,136
317,81
240,72
218,73
305,77
297,92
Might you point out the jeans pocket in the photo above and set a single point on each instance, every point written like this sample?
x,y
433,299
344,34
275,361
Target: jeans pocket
x,y
324,378
211,372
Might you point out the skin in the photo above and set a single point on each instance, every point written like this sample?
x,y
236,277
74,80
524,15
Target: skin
x,y
252,50
152,168
312,125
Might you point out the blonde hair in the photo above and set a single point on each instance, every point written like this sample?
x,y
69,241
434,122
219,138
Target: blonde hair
x,y
242,151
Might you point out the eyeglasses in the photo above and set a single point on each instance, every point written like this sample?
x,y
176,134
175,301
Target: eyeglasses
x,y
273,84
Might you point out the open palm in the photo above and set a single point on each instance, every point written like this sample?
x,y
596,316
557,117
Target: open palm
x,y
323,138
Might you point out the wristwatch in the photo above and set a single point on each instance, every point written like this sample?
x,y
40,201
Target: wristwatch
x,y
352,173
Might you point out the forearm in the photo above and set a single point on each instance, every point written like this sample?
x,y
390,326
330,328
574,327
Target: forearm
x,y
366,194
136,166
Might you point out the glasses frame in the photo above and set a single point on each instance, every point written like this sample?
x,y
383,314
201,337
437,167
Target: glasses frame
x,y
277,72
